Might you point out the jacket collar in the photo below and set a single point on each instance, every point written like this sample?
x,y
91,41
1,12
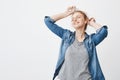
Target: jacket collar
x,y
86,35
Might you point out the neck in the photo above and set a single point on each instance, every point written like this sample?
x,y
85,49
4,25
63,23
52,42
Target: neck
x,y
80,34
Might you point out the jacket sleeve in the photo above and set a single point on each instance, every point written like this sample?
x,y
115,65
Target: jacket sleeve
x,y
100,35
50,23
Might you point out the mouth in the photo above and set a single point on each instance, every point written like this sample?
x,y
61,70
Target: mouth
x,y
76,23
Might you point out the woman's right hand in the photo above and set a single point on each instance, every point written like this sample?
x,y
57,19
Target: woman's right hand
x,y
66,13
70,10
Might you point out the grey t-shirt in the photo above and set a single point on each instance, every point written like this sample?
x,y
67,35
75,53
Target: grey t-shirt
x,y
75,66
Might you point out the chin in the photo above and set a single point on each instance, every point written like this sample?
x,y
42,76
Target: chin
x,y
76,26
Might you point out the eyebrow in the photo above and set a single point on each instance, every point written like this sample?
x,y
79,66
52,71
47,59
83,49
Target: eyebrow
x,y
76,16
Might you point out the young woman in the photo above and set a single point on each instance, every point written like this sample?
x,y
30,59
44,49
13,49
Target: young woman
x,y
78,57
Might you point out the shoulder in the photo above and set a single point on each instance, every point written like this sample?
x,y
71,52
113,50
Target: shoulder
x,y
68,34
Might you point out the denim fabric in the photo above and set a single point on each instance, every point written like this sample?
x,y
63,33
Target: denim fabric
x,y
90,41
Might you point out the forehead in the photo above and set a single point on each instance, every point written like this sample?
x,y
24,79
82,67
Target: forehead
x,y
76,14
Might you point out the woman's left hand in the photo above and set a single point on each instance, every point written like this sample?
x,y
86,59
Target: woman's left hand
x,y
91,21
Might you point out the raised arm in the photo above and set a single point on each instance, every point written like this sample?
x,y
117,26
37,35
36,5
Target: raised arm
x,y
101,31
68,12
50,21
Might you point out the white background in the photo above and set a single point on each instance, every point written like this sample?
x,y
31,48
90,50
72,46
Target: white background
x,y
29,51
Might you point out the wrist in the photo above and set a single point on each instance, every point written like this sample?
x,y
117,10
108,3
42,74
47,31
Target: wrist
x,y
96,25
65,14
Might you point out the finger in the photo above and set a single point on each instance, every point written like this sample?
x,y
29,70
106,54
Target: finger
x,y
74,7
92,19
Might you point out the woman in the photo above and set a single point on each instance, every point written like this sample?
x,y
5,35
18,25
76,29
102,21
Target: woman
x,y
77,58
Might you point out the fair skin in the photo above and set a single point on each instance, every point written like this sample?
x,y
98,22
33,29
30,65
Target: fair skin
x,y
78,21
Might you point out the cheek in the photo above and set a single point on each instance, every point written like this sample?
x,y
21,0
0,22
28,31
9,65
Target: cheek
x,y
72,22
82,21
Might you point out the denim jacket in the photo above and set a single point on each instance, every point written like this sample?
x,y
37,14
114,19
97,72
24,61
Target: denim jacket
x,y
90,41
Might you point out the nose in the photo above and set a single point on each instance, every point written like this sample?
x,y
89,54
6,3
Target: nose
x,y
74,20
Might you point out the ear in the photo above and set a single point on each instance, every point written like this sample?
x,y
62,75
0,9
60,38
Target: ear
x,y
86,21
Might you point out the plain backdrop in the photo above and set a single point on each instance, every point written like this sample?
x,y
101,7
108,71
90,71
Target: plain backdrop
x,y
29,50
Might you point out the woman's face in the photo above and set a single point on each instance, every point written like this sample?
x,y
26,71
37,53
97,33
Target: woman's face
x,y
78,20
